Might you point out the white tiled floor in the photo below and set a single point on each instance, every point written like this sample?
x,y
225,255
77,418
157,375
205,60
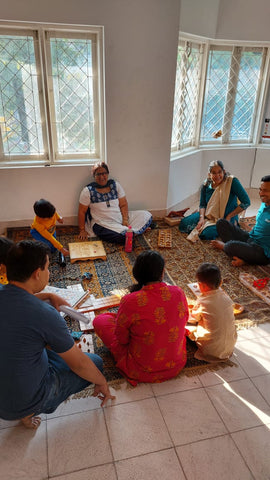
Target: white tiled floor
x,y
213,426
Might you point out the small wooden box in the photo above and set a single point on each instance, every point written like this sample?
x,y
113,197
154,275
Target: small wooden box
x,y
172,220
86,251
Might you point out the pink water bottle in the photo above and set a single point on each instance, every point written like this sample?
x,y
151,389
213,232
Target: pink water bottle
x,y
129,238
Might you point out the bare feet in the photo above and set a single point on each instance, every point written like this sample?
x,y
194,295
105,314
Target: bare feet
x,y
31,422
237,262
217,244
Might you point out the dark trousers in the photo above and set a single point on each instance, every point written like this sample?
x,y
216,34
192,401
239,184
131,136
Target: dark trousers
x,y
108,235
239,244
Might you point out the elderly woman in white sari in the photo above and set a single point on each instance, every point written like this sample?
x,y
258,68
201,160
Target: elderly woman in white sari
x,y
222,196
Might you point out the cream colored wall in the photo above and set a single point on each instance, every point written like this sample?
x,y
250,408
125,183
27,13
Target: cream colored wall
x,y
140,59
222,19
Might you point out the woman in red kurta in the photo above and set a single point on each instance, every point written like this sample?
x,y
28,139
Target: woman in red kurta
x,y
147,335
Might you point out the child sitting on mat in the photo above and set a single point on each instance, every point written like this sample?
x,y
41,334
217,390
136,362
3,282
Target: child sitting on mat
x,y
5,245
43,227
215,335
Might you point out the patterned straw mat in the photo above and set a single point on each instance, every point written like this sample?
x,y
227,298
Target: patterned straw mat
x,y
182,261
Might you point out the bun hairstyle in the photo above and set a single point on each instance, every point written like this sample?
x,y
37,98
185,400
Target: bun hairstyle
x,y
148,268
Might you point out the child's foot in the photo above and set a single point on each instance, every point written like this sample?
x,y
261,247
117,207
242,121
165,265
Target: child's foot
x,y
237,262
31,422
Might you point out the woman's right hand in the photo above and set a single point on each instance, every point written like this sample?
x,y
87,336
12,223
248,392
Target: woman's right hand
x,y
200,223
83,235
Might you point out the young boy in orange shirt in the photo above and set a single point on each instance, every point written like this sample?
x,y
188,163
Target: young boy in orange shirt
x,y
43,227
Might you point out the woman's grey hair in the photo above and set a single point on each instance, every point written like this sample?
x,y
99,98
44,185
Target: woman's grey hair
x,y
215,163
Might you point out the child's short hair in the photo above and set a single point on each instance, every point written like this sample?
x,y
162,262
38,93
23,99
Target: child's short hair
x,y
5,246
44,209
24,258
210,274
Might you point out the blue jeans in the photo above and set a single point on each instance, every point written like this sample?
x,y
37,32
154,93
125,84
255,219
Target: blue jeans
x,y
37,236
239,244
63,382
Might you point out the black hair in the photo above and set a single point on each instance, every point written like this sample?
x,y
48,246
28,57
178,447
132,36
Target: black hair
x,y
5,246
99,165
266,178
209,273
148,267
215,163
44,208
24,258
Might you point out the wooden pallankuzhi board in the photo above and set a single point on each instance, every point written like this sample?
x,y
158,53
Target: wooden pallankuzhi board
x,y
86,251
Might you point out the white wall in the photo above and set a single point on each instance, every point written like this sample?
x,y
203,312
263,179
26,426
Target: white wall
x,y
184,181
261,167
226,19
199,17
140,59
233,20
244,20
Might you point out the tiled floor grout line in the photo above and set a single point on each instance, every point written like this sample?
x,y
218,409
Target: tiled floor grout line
x,y
59,475
229,433
109,441
173,445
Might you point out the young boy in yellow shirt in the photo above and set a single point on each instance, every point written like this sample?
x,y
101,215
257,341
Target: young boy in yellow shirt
x,y
43,227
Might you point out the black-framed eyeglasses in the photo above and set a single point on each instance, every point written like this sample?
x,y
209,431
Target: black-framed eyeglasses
x,y
100,174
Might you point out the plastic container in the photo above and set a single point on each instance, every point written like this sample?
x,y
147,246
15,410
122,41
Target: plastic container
x,y
129,239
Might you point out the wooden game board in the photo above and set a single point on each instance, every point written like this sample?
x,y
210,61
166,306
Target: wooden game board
x,y
248,280
165,238
86,251
103,302
93,305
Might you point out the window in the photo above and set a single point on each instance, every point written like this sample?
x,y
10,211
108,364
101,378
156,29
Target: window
x,y
217,93
51,101
186,99
231,94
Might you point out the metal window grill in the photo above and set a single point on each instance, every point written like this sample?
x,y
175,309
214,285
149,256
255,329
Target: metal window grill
x,y
187,85
231,94
72,74
20,114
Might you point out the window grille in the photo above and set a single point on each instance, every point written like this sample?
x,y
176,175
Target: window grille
x,y
217,92
51,105
231,94
186,98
